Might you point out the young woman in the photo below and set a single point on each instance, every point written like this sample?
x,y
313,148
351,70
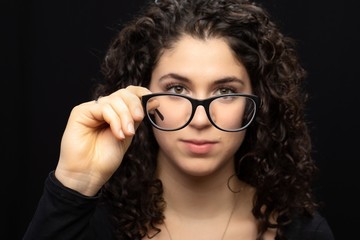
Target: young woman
x,y
197,132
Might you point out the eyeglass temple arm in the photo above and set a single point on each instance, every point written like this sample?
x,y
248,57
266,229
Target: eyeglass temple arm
x,y
159,114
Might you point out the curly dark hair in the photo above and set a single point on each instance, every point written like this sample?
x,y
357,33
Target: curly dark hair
x,y
275,157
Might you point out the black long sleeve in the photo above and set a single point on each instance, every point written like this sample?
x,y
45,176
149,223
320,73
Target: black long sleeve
x,y
63,213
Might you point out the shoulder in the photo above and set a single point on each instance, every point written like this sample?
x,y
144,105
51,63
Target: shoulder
x,y
309,228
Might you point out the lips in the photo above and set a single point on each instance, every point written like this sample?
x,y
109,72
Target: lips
x,y
199,146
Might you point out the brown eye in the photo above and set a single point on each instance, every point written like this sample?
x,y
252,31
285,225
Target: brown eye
x,y
176,89
222,91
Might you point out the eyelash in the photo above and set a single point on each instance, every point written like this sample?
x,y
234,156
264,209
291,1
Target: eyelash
x,y
229,89
171,87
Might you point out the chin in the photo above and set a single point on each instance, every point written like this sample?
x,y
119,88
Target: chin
x,y
200,168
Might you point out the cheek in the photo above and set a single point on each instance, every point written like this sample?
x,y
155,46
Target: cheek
x,y
164,139
232,141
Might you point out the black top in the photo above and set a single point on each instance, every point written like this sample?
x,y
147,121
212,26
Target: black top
x,y
64,214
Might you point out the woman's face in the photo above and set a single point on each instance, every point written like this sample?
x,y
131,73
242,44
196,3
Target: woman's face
x,y
199,69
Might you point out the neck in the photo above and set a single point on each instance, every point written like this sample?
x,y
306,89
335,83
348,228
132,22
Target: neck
x,y
209,226
198,196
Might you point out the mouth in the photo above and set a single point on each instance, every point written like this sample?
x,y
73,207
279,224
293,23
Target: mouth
x,y
199,146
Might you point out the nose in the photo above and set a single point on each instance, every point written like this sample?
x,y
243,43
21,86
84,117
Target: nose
x,y
200,119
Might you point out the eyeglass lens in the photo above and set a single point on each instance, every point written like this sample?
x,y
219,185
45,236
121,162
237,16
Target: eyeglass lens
x,y
230,113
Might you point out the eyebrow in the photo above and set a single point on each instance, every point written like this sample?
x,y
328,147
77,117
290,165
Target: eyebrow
x,y
185,79
229,80
174,76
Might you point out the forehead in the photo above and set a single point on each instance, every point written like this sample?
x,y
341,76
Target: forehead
x,y
200,59
190,49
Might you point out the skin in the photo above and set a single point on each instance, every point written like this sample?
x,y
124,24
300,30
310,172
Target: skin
x,y
194,163
194,68
96,138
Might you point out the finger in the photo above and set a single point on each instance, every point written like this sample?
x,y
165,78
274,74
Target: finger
x,y
112,118
127,105
138,91
131,96
98,113
122,110
120,107
132,102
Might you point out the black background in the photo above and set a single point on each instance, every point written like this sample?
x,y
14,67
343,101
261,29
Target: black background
x,y
50,58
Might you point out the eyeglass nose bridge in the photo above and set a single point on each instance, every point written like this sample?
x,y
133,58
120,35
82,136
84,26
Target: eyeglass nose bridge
x,y
200,102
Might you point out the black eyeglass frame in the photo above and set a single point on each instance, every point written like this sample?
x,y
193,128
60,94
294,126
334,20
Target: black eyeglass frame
x,y
195,103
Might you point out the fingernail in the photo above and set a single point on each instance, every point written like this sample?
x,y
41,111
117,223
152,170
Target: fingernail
x,y
131,128
122,136
138,112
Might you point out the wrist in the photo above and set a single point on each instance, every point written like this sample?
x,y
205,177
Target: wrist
x,y
83,183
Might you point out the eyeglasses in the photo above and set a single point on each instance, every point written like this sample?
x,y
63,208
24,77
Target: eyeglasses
x,y
229,112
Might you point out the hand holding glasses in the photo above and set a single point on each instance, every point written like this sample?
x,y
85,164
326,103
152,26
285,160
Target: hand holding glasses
x,y
229,112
